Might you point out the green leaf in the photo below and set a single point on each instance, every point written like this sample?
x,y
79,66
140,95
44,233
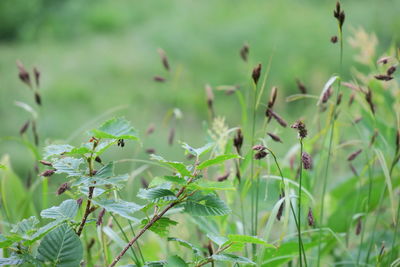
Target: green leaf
x,y
43,231
178,166
26,226
79,150
174,179
156,194
217,160
219,240
10,261
66,211
117,181
161,226
56,150
186,244
176,261
120,207
6,241
68,165
197,151
210,186
106,171
117,128
205,205
2,166
248,239
61,247
232,258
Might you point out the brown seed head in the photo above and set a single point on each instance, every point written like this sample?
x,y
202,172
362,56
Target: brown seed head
x,y
48,173
260,154
238,140
271,114
100,217
46,163
164,59
391,70
301,128
23,74
150,151
280,211
62,188
36,72
209,95
383,60
256,73
397,141
351,99
368,98
306,160
258,148
358,226
275,137
223,177
383,77
244,52
24,127
159,79
301,87
353,155
171,136
334,39
310,217
272,97
339,99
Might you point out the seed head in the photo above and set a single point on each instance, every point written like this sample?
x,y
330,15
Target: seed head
x,y
391,70
62,188
327,94
301,128
98,159
36,72
310,217
260,155
164,59
334,39
358,226
48,173
271,114
306,160
171,136
258,148
256,73
145,184
223,177
24,127
238,140
301,87
159,79
100,217
351,99
368,98
275,137
383,77
46,163
150,151
397,141
23,74
280,211
38,99
383,60
353,155
210,97
121,142
272,98
339,15
244,52
339,99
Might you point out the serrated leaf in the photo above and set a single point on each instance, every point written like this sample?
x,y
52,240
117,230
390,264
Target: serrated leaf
x,y
176,261
26,226
43,231
178,166
186,244
79,151
116,128
156,194
117,181
66,211
174,179
161,226
10,261
56,150
197,151
248,239
217,160
205,205
232,258
219,240
120,207
106,171
209,186
96,192
61,247
6,241
68,165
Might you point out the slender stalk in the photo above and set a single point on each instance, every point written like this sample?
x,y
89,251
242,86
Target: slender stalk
x,y
253,196
396,228
299,204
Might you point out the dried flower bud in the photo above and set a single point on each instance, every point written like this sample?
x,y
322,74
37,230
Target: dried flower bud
x,y
256,73
373,138
79,201
159,79
353,155
24,127
48,173
164,59
210,98
223,177
280,211
260,155
150,129
150,151
275,137
271,114
358,226
334,39
381,252
258,148
383,60
339,99
64,187
210,248
301,128
383,77
310,217
100,217
272,98
301,87
244,52
171,136
98,159
36,72
38,99
368,98
307,161
327,94
238,140
121,142
23,74
46,163
391,70
339,15
35,133
351,99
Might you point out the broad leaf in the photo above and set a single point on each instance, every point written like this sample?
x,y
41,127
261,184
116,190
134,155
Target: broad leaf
x,y
117,128
210,186
161,226
68,165
178,166
232,258
186,244
205,205
6,241
66,211
26,226
217,160
120,207
56,150
247,239
176,261
156,194
117,181
219,240
10,261
198,151
61,247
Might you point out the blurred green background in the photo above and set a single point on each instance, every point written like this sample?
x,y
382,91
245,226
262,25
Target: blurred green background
x,y
98,59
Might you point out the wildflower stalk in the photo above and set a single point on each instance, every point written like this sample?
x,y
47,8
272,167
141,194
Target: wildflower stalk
x,y
299,204
332,128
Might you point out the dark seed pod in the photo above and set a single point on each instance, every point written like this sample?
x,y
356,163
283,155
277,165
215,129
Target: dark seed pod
x,y
223,177
79,201
36,72
35,133
260,155
353,155
164,59
23,74
256,73
301,128
353,169
383,60
391,70
159,79
339,99
121,143
327,94
144,183
244,52
62,188
210,99
397,141
275,137
383,77
358,226
368,98
24,127
48,173
310,217
258,148
351,99
238,140
46,163
171,136
98,159
301,86
334,39
280,211
306,160
150,151
272,98
271,114
100,217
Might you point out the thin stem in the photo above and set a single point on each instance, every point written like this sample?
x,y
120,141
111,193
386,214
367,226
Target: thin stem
x,y
299,203
253,196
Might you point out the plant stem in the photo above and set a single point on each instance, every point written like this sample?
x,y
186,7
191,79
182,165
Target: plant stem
x,y
299,203
253,196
